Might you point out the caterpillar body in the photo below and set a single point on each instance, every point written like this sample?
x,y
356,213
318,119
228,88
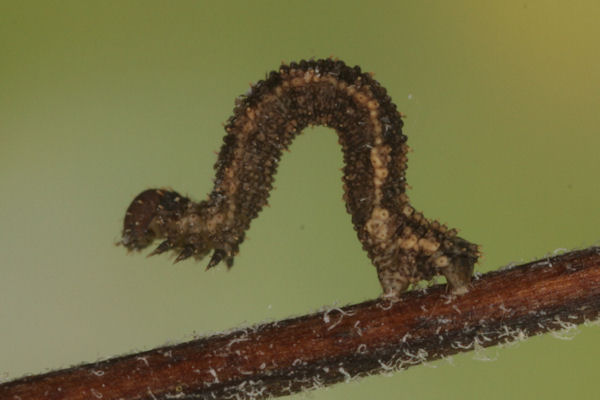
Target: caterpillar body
x,y
404,246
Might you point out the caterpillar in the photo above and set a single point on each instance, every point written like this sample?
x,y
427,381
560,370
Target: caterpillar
x,y
403,245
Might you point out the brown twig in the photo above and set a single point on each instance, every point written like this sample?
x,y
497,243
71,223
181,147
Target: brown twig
x,y
339,344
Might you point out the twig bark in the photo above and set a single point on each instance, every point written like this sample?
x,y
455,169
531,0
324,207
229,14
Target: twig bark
x,y
340,344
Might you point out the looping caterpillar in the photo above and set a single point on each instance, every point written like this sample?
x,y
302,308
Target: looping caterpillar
x,y
404,246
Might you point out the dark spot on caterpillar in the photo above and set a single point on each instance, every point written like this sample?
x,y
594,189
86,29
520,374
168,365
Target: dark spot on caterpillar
x,y
404,246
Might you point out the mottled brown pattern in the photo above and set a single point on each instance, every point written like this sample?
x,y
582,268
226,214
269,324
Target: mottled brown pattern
x,y
404,246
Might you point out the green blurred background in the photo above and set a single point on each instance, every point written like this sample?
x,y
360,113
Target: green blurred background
x,y
100,100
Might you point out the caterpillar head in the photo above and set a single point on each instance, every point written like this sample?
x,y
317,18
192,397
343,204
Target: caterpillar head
x,y
185,227
151,215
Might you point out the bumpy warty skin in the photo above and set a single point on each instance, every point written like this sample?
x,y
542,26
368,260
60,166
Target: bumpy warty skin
x,y
404,246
